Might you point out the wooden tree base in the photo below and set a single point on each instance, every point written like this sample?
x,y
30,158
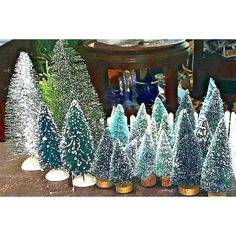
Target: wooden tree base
x,y
103,183
165,181
217,194
124,188
149,182
188,191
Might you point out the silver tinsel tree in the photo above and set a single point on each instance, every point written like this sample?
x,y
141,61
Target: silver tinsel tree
x,y
71,81
22,109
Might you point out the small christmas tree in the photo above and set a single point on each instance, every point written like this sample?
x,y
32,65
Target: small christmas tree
x,y
187,157
140,124
164,156
213,110
145,167
158,110
119,127
121,169
131,150
101,165
72,81
48,141
204,136
186,104
217,168
77,151
165,125
153,127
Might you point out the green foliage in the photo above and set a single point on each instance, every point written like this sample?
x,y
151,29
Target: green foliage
x,y
140,124
48,140
153,127
217,168
101,165
158,110
131,150
71,80
120,169
77,151
164,156
187,155
165,125
146,158
119,127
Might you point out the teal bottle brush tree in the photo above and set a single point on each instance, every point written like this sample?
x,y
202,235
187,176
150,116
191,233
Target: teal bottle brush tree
x,y
217,171
49,152
186,158
145,168
77,152
164,160
101,165
22,112
121,169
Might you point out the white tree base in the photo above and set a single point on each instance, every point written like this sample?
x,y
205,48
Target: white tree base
x,y
88,180
57,175
31,164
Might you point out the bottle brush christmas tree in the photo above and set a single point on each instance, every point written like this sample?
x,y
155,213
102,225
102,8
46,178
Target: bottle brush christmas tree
x,y
49,142
204,136
164,159
186,158
140,124
153,127
76,145
119,127
217,170
165,125
22,112
121,169
72,81
131,150
145,168
101,165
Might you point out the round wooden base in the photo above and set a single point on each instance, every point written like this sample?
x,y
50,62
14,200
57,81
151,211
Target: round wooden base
x,y
188,191
149,182
165,181
103,183
124,188
217,194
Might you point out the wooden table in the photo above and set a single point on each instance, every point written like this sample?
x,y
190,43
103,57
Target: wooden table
x,y
101,57
16,182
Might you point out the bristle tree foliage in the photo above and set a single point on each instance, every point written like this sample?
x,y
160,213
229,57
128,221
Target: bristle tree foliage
x,y
22,109
132,152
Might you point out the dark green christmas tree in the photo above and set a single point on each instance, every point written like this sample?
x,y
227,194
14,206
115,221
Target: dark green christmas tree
x,y
204,136
186,155
48,140
119,127
77,151
120,168
164,156
213,110
140,124
158,110
70,80
217,169
131,150
146,159
186,104
101,165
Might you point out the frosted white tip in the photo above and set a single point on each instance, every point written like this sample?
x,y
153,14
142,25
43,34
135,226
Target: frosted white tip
x,y
31,164
88,180
57,175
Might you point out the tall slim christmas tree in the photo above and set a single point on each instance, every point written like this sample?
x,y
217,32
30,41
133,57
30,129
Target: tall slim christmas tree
x,y
101,165
77,151
22,110
71,81
204,136
121,169
119,127
217,169
187,158
145,168
140,124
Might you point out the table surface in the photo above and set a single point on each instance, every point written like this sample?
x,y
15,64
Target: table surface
x,y
16,182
